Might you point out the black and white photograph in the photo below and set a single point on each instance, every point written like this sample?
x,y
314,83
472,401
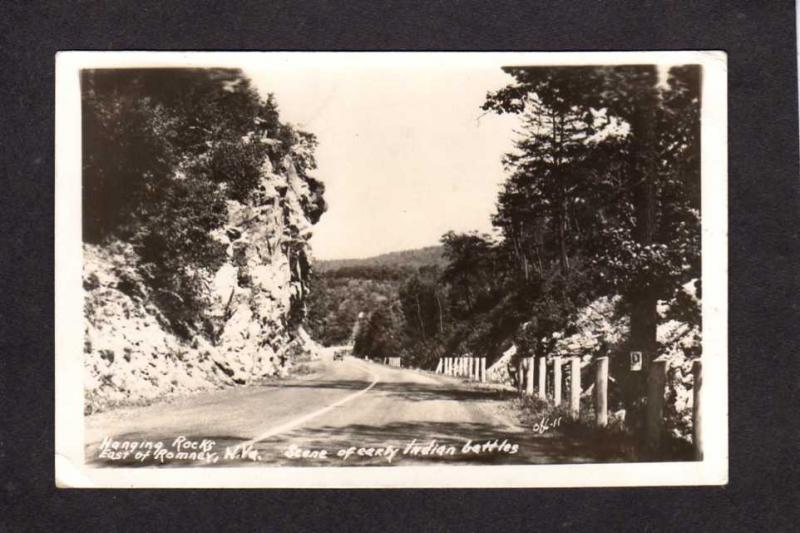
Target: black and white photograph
x,y
395,269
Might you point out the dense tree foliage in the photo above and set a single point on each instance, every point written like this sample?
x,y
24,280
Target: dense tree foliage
x,y
379,334
337,297
341,289
608,170
402,260
163,150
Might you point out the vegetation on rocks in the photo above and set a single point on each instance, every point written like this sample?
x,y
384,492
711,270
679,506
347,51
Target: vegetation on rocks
x,y
198,203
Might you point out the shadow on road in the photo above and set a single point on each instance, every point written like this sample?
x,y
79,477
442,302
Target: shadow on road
x,y
444,441
409,391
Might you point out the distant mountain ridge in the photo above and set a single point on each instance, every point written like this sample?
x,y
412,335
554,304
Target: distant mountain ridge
x,y
342,289
427,256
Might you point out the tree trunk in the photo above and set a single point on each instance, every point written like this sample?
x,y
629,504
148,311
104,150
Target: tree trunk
x,y
644,321
643,298
419,317
562,241
439,308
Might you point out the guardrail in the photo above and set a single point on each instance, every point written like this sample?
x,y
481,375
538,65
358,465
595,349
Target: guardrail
x,y
473,368
533,376
528,369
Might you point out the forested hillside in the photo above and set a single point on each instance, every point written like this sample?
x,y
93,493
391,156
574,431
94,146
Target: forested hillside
x,y
411,259
342,289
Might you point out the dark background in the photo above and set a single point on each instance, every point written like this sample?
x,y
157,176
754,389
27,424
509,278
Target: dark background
x,y
763,160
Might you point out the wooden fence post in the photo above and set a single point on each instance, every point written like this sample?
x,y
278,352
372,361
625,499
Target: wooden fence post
x,y
473,365
476,368
601,391
656,381
575,387
449,364
697,413
483,369
520,375
438,367
557,380
542,378
529,379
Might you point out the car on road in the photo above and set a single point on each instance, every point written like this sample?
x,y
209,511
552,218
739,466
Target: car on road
x,y
338,355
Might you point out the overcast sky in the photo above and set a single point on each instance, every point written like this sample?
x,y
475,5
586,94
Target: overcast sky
x,y
405,151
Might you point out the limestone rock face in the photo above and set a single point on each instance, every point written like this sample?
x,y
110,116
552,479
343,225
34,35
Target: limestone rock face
x,y
256,299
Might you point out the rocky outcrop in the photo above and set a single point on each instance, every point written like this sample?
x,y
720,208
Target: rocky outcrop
x,y
255,301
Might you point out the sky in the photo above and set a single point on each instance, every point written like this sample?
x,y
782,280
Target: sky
x,y
405,152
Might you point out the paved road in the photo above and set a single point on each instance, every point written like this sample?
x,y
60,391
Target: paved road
x,y
360,413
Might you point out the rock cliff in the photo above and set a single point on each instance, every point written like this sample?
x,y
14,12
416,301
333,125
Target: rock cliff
x,y
255,300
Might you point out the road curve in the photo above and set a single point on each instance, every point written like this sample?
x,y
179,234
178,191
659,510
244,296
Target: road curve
x,y
346,413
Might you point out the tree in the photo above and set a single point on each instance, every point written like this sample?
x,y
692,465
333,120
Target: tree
x,y
562,168
423,306
644,230
379,336
472,270
549,176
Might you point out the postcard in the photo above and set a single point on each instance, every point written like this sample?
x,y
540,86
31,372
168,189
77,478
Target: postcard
x,y
391,269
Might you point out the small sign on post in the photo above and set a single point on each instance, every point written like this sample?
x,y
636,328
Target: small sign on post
x,y
636,361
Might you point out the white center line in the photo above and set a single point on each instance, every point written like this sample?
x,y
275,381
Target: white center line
x,y
305,418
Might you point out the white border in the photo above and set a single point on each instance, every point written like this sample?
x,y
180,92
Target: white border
x,y
70,470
